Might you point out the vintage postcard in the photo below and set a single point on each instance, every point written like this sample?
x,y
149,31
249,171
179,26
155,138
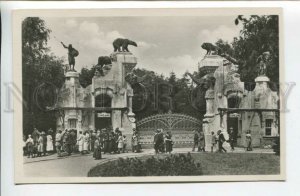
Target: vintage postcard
x,y
148,95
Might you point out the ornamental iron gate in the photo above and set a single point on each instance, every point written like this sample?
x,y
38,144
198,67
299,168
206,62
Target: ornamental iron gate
x,y
181,127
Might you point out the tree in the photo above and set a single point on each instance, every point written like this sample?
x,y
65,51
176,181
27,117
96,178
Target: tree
x,y
86,75
42,75
259,34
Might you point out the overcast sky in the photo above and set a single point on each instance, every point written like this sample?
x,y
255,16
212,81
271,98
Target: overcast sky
x,y
165,44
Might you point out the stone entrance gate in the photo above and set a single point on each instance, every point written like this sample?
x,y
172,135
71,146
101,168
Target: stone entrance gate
x,y
180,125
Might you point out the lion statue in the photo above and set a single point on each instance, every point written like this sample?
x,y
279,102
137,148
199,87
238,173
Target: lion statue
x,y
120,42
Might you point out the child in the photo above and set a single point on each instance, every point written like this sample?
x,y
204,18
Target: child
x,y
120,142
213,141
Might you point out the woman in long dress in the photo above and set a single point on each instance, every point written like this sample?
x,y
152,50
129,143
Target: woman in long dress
x,y
201,141
80,142
49,143
168,141
86,139
249,141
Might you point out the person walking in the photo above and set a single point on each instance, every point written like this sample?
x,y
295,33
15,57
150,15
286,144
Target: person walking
x,y
115,143
135,142
69,142
169,142
249,141
161,142
221,140
97,149
196,138
201,141
213,141
58,142
35,135
111,142
105,141
125,143
93,139
231,138
49,143
44,143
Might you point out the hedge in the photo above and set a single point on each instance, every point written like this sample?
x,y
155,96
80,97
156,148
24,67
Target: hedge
x,y
171,165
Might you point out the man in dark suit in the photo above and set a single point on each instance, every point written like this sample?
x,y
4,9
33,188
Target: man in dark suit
x,y
196,140
221,140
231,138
156,141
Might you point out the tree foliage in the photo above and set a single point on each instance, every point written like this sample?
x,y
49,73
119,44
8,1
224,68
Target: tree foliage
x,y
259,34
42,76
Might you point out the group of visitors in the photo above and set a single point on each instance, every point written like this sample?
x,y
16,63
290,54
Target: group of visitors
x,y
199,141
163,142
67,142
38,144
218,139
111,141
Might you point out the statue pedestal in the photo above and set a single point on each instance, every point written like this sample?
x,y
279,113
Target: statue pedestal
x,y
262,79
261,84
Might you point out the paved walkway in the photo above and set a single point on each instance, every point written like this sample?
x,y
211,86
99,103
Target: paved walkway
x,y
78,165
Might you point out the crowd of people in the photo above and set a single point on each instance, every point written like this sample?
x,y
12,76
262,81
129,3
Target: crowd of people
x,y
107,141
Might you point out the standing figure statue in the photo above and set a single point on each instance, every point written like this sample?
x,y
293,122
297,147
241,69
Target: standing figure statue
x,y
72,53
262,62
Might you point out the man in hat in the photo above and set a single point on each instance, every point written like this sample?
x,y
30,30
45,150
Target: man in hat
x,y
196,138
221,140
69,142
93,139
231,138
156,141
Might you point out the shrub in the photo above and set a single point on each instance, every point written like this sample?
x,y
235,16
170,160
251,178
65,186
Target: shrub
x,y
172,165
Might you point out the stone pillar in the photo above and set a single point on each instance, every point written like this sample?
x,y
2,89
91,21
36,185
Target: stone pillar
x,y
72,83
116,117
209,97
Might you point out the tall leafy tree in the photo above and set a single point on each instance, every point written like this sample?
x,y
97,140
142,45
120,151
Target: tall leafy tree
x,y
259,34
42,75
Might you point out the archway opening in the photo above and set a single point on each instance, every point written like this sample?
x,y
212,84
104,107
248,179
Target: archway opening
x,y
103,112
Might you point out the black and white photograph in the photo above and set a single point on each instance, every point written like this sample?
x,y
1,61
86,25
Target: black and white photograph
x,y
148,95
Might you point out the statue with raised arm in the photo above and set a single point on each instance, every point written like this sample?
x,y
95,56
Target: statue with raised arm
x,y
262,62
72,53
